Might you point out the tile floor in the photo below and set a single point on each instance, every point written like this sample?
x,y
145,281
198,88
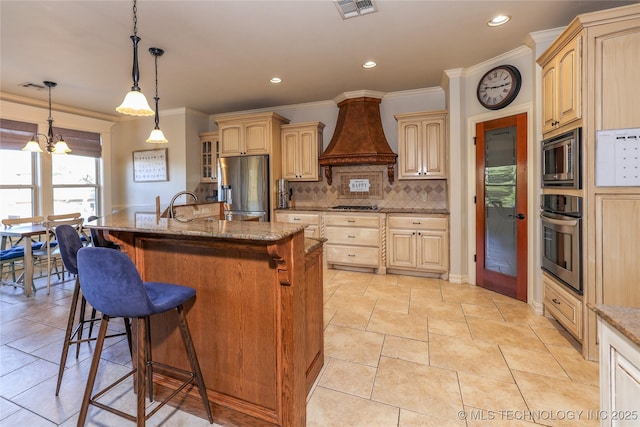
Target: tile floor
x,y
399,351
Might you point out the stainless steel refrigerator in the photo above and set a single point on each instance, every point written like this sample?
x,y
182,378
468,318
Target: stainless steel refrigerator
x,y
243,185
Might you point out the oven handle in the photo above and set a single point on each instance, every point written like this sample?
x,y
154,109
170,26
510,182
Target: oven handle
x,y
565,220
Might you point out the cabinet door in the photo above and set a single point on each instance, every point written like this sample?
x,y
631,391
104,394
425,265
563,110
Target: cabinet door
x,y
549,97
433,149
289,155
231,140
256,138
433,251
410,159
308,154
402,248
569,78
208,160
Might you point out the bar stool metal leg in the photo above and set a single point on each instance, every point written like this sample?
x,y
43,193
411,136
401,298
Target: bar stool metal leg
x,y
93,371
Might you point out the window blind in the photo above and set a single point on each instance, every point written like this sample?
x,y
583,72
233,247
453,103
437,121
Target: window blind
x,y
14,135
82,143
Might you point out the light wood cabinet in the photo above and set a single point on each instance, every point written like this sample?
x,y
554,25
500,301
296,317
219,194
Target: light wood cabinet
x,y
301,146
208,156
422,145
563,305
354,240
619,377
590,81
249,134
312,220
561,86
419,244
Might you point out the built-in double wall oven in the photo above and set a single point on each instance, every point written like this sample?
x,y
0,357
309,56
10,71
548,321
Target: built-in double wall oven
x,y
561,217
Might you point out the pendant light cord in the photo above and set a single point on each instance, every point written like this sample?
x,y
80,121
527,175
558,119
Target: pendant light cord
x,y
135,73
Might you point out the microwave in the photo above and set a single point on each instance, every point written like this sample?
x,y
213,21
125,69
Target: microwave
x,y
561,157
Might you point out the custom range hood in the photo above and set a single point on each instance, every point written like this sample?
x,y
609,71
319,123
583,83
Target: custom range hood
x,y
358,138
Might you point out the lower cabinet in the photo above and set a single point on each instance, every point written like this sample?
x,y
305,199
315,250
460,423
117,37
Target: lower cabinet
x,y
619,377
419,244
563,305
313,221
354,240
314,328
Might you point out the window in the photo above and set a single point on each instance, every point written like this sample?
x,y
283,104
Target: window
x,y
17,170
75,176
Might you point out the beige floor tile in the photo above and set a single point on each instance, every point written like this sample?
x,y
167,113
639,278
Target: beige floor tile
x,y
406,349
351,278
519,313
504,333
579,369
482,418
479,358
534,362
398,324
419,282
395,304
387,279
387,290
352,345
449,328
418,388
327,315
489,394
351,289
549,397
330,408
355,303
482,311
426,295
555,336
414,419
348,377
438,309
349,319
477,296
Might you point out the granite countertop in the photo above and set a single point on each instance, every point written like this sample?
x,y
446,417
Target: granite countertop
x,y
146,221
312,243
414,211
626,320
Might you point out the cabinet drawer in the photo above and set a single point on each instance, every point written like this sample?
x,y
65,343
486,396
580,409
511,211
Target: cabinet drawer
x,y
565,307
353,236
298,218
352,255
416,223
352,220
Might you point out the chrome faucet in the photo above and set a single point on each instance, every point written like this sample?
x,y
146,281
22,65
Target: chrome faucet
x,y
173,200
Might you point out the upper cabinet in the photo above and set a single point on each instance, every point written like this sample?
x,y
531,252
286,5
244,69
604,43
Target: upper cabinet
x,y
561,86
422,145
208,156
248,134
301,145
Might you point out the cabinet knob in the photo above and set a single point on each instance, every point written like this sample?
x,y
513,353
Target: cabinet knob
x,y
555,301
351,237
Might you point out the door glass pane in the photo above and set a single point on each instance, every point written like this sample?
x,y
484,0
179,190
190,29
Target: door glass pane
x,y
500,201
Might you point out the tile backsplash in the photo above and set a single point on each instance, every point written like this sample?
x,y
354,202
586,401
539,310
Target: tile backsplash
x,y
412,194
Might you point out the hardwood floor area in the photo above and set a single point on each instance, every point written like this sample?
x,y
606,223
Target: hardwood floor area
x,y
399,351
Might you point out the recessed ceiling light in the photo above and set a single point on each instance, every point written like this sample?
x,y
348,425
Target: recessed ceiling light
x,y
498,20
369,64
275,80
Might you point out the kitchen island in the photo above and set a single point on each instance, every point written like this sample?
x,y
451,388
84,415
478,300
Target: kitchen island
x,y
256,320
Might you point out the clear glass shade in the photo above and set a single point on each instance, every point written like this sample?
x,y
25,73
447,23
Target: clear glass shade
x,y
135,104
157,137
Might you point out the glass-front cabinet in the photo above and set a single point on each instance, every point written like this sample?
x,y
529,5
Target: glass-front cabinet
x,y
208,153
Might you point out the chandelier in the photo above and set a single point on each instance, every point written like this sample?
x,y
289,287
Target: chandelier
x,y
55,143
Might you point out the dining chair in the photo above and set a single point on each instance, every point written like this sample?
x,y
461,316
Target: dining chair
x,y
111,283
50,250
70,243
12,251
70,216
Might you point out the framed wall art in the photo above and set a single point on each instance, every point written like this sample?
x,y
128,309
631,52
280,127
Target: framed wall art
x,y
150,165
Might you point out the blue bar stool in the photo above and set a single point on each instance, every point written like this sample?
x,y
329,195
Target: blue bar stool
x,y
111,283
70,242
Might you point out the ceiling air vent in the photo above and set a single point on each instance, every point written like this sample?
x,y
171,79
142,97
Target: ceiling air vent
x,y
33,85
353,8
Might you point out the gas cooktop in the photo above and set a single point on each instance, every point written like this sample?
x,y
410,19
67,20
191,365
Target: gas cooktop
x,y
355,208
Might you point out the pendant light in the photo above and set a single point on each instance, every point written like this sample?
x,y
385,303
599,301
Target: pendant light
x,y
55,143
135,103
156,137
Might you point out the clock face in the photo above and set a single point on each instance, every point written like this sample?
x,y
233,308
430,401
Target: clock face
x,y
499,87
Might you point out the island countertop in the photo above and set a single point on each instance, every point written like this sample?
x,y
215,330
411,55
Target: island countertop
x,y
148,222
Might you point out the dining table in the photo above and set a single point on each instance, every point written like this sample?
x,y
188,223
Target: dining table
x,y
25,233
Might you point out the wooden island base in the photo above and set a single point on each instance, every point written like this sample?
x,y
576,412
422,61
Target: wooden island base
x,y
256,320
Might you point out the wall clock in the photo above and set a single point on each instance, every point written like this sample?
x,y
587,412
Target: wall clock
x,y
499,87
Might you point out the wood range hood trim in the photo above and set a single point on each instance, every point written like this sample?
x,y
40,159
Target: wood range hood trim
x,y
358,138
